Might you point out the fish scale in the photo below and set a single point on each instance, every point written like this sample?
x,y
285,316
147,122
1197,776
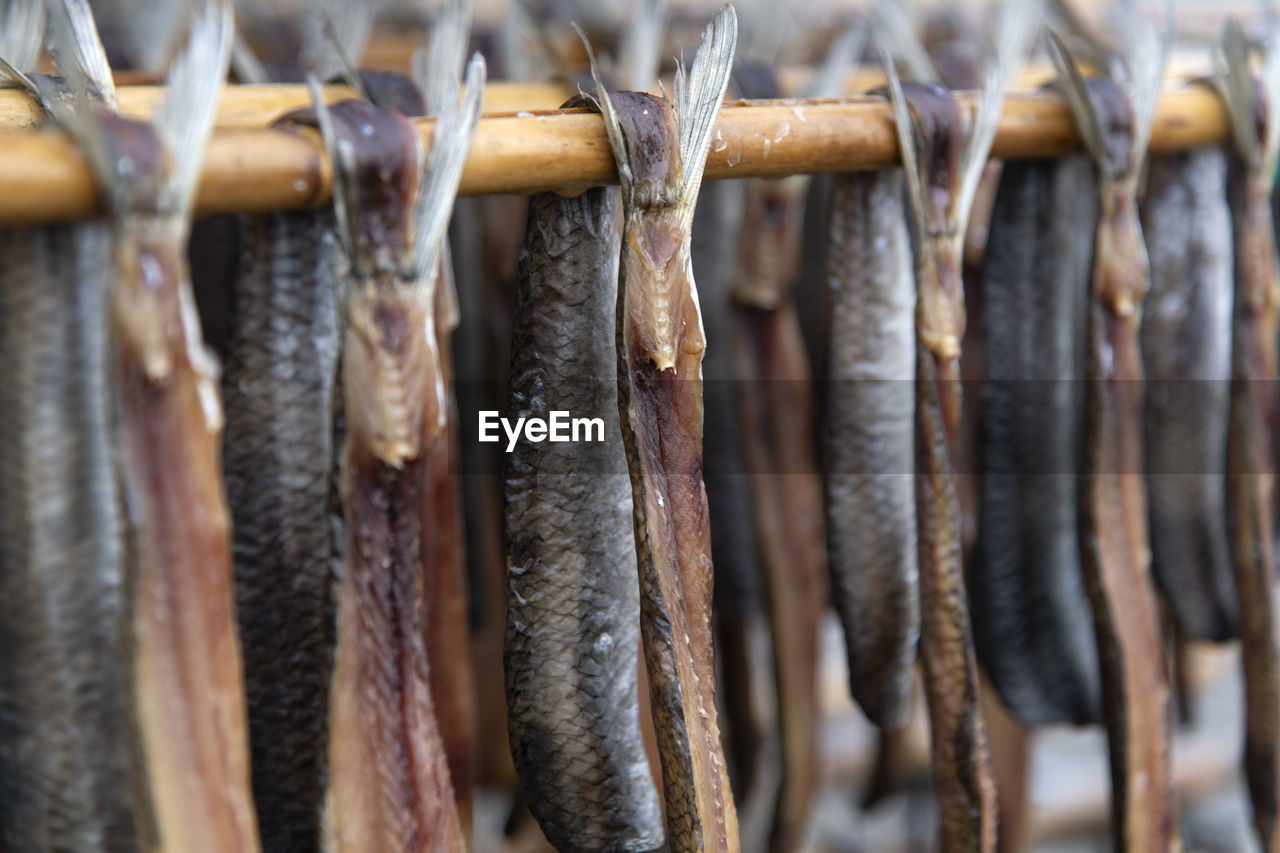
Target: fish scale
x,y
278,392
63,733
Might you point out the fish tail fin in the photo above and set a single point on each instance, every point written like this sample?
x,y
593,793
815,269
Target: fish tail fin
x,y
907,144
21,37
1139,65
697,97
1015,23
640,53
436,70
451,139
335,36
185,119
1259,147
896,34
78,53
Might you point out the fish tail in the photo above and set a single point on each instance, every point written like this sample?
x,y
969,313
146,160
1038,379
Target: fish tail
x,y
79,55
450,141
436,70
21,36
640,53
185,119
1259,147
697,101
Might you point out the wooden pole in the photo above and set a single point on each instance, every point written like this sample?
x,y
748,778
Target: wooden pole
x,y
43,178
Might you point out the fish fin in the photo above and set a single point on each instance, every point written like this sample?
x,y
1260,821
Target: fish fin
x,y
185,118
895,31
906,131
1016,21
335,39
697,97
455,126
612,125
831,79
78,53
21,37
1078,100
245,63
436,71
641,49
1236,81
344,166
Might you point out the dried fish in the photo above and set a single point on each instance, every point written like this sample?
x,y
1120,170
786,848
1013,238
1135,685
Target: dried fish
x,y
1033,630
184,677
1115,127
63,735
1186,350
1255,122
573,608
278,392
868,441
660,148
943,169
389,785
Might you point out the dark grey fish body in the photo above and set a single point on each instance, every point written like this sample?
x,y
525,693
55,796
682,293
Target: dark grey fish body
x,y
869,440
573,609
1033,628
64,780
278,390
1186,348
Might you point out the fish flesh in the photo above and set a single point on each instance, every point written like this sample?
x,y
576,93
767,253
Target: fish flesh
x,y
1033,629
1251,452
660,147
1186,350
1114,539
869,442
389,785
573,606
278,391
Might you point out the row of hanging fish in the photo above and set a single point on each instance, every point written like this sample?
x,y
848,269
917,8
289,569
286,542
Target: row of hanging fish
x,y
269,605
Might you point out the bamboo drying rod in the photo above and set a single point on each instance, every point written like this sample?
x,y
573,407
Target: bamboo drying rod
x,y
44,178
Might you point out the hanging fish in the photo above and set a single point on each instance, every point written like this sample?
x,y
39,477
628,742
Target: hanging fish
x,y
1255,124
184,677
279,388
1186,349
868,441
388,781
573,610
1033,630
660,147
63,729
1115,125
944,162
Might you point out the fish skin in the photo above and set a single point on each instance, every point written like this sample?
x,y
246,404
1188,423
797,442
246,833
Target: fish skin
x,y
1251,492
278,445
1186,350
1033,631
573,607
64,739
868,443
